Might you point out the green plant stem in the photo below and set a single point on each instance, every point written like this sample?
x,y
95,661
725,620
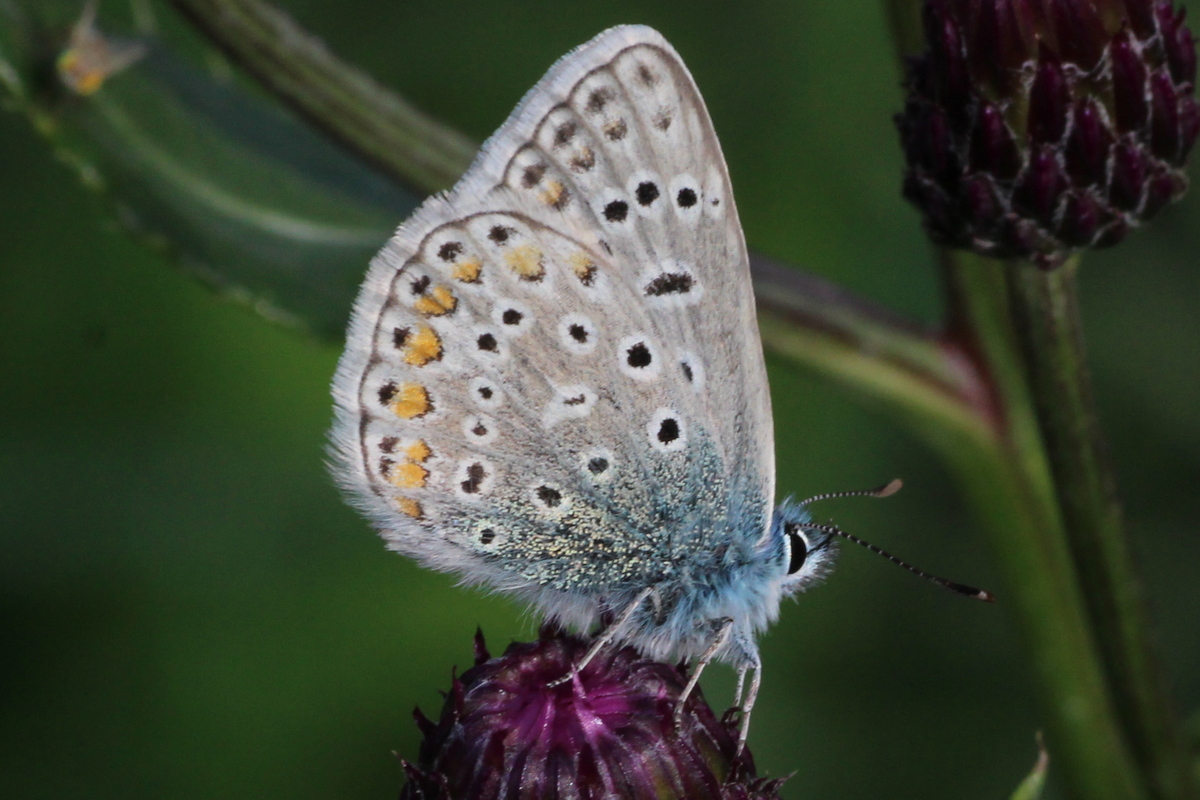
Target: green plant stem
x,y
343,101
909,370
1015,498
1047,319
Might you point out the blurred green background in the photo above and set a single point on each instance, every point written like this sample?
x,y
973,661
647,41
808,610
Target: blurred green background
x,y
189,610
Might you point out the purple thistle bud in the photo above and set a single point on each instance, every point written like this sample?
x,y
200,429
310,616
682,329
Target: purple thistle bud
x,y
1179,44
1036,128
1089,146
1081,219
607,733
1129,176
1043,183
1129,84
993,149
1049,101
1189,127
1164,117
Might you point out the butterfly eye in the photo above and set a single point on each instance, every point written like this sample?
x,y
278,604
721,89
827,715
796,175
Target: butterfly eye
x,y
799,549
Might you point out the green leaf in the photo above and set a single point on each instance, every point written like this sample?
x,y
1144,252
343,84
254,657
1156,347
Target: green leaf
x,y
1031,787
247,198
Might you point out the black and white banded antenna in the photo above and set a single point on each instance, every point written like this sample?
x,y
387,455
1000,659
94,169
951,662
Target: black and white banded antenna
x,y
886,491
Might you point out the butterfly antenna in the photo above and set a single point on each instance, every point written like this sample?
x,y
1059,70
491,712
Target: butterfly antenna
x,y
887,490
957,588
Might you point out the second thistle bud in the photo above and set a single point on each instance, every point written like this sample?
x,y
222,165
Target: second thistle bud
x,y
1033,130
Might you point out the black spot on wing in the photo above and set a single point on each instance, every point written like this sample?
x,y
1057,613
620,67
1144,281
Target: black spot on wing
x,y
564,134
475,477
669,283
638,356
532,175
550,497
598,99
616,211
500,233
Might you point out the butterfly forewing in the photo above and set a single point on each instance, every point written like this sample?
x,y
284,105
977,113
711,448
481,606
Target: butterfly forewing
x,y
553,375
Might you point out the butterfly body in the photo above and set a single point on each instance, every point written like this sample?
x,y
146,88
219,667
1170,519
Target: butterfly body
x,y
553,384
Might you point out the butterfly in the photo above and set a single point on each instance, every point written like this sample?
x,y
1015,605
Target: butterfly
x,y
553,383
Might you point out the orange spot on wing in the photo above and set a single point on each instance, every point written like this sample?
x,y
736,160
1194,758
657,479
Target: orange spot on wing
x,y
555,194
467,270
583,267
422,347
408,476
412,400
526,261
418,451
436,302
410,507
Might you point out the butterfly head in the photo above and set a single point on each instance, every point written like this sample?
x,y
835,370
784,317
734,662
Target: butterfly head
x,y
805,554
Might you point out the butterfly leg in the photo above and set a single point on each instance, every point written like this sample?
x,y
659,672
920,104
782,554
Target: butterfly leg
x,y
748,704
606,636
741,684
724,626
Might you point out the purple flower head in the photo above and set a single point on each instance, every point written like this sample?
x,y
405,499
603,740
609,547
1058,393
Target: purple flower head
x,y
609,732
1036,128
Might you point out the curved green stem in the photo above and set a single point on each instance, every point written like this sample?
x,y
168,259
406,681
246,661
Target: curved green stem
x,y
928,380
343,101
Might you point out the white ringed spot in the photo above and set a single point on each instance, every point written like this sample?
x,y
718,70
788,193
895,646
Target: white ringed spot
x,y
512,317
578,334
685,195
569,402
598,465
485,393
486,535
670,284
488,345
666,431
479,429
549,498
474,478
648,192
692,369
638,358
